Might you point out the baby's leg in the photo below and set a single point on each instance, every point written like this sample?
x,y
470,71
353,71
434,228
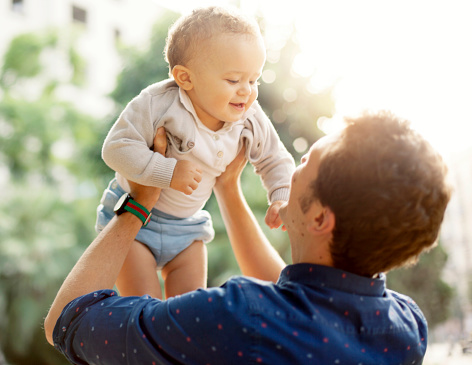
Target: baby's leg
x,y
138,276
187,271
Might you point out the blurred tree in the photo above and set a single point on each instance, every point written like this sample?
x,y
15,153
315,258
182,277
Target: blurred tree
x,y
22,60
47,195
423,283
142,68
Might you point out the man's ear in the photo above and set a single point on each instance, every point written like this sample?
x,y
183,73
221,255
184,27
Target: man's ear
x,y
181,76
321,221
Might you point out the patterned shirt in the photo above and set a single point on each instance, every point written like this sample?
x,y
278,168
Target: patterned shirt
x,y
313,315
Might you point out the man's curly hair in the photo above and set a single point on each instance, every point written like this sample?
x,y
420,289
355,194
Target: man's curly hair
x,y
387,188
187,34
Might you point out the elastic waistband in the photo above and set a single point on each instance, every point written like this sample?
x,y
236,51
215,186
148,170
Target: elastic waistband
x,y
116,187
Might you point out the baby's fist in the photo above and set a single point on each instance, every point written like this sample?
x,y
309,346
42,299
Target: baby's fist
x,y
186,177
272,217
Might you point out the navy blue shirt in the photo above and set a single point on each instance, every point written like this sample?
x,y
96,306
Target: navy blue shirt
x,y
313,315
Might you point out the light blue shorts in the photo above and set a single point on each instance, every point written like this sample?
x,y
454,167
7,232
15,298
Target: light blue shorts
x,y
165,235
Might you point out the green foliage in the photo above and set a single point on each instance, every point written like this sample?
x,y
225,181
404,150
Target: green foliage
x,y
23,56
78,66
47,204
38,247
144,68
423,283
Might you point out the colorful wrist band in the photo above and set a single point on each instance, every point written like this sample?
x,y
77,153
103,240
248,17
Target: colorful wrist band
x,y
139,211
127,204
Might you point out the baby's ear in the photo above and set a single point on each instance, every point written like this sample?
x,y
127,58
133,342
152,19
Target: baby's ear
x,y
181,76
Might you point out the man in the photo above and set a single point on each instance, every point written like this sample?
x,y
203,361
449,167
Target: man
x,y
363,201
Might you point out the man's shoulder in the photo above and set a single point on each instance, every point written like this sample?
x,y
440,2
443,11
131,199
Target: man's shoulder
x,y
242,286
248,281
251,289
406,301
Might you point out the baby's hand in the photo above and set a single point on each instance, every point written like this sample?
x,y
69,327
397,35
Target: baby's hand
x,y
272,217
186,177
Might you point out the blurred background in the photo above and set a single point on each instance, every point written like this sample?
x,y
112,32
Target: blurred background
x,y
68,67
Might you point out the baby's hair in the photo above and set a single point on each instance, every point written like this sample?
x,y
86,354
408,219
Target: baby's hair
x,y
187,33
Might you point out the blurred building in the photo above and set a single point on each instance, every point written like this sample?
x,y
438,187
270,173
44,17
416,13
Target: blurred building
x,y
456,236
95,28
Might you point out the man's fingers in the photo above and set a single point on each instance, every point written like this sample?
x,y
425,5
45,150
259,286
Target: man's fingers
x,y
160,141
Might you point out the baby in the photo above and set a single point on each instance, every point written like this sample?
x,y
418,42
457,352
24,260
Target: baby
x,y
209,110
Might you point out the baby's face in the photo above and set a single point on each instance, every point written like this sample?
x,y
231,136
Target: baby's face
x,y
225,76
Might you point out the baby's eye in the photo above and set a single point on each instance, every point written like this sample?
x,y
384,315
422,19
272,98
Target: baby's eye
x,y
232,81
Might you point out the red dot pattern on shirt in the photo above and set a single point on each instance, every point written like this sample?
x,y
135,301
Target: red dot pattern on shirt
x,y
263,325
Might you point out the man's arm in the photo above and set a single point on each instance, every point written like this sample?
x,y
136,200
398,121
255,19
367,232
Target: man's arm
x,y
93,271
255,255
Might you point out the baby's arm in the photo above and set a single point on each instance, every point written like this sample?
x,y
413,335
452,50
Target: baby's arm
x,y
272,218
127,146
271,161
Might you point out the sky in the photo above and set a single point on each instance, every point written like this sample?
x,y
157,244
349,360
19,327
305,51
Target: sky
x,y
411,57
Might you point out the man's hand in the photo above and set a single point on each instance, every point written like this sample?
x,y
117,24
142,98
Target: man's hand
x,y
272,217
143,193
231,176
186,177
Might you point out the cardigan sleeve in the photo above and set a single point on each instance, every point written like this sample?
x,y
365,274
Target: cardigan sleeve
x,y
266,152
127,146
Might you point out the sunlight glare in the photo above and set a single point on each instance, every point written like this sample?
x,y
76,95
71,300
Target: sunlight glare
x,y
411,57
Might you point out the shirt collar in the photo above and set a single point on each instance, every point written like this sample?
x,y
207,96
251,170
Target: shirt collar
x,y
330,277
187,103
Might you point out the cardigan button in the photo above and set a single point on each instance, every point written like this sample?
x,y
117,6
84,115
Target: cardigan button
x,y
190,144
220,154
